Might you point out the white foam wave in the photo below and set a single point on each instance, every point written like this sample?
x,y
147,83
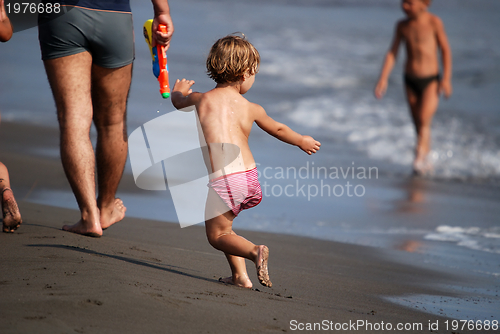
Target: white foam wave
x,y
385,132
26,116
295,57
482,239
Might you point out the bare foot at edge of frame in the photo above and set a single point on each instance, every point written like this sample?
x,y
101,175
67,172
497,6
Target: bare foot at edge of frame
x,y
10,211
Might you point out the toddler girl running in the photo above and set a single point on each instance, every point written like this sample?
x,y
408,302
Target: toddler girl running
x,y
226,119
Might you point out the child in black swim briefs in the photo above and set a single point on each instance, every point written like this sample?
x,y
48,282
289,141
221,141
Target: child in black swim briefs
x,y
423,34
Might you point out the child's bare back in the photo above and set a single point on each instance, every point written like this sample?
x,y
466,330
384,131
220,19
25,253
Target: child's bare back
x,y
226,117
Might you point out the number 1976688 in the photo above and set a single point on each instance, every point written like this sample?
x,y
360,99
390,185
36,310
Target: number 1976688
x,y
32,8
472,325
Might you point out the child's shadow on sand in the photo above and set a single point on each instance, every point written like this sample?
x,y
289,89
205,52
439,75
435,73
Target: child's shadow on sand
x,y
126,259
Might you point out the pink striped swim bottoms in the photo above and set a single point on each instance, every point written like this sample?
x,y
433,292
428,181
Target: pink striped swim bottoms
x,y
240,190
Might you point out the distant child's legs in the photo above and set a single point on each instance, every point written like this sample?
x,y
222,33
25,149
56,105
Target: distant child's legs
x,y
10,211
423,107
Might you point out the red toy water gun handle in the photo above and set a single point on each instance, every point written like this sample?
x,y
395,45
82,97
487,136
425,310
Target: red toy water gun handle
x,y
162,62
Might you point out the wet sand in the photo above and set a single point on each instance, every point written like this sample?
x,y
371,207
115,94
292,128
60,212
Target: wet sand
x,y
154,277
147,276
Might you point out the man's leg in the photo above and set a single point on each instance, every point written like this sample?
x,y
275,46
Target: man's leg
x,y
69,78
110,89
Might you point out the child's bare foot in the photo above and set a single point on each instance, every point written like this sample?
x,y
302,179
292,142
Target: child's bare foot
x,y
261,264
89,230
422,168
112,215
243,282
11,215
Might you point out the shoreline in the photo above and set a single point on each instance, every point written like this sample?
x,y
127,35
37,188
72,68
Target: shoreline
x,y
37,176
145,276
167,276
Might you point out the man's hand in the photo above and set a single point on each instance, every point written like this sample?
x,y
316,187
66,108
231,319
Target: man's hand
x,y
5,25
161,38
3,14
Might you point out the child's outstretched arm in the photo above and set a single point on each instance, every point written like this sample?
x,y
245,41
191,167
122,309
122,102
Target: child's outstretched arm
x,y
390,60
284,133
182,95
445,84
5,25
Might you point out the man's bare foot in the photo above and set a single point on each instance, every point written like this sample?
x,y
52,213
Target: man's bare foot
x,y
243,282
261,264
113,214
11,215
89,230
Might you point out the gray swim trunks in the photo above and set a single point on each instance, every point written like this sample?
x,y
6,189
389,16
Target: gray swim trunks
x,y
107,36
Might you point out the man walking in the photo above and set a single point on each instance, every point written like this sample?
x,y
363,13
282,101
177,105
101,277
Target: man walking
x,y
88,54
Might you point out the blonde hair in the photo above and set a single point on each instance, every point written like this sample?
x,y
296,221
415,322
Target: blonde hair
x,y
230,58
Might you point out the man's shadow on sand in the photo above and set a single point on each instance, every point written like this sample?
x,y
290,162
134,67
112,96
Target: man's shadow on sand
x,y
125,259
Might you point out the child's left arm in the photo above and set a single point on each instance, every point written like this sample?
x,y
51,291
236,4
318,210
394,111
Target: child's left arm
x,y
306,143
182,94
442,40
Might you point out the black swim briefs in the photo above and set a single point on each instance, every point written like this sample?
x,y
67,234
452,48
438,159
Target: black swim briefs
x,y
419,84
